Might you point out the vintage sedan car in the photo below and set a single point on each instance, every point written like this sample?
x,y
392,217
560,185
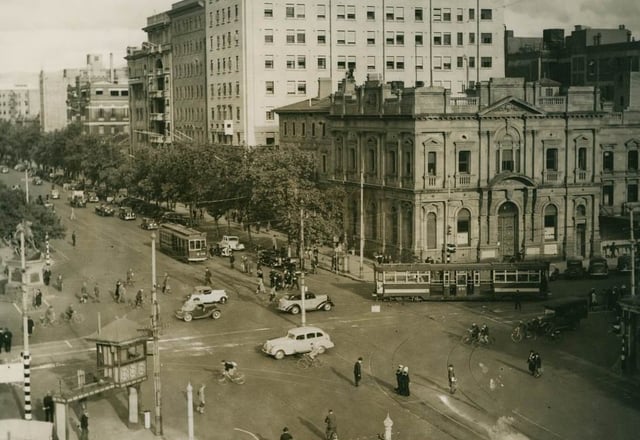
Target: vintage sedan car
x,y
148,224
4,170
232,242
126,213
298,340
208,295
104,210
36,181
93,197
55,194
191,310
77,202
293,303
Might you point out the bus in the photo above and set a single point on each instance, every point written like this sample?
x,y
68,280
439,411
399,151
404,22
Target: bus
x,y
183,243
461,281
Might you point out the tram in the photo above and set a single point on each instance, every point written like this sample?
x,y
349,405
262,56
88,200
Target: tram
x,y
183,243
461,281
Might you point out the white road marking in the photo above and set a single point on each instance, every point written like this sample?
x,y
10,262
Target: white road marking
x,y
247,432
68,343
17,308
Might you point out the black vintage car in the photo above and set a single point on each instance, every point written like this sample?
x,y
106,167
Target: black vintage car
x,y
104,210
191,310
566,313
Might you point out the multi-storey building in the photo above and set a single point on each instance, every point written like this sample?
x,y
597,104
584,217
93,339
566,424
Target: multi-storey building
x,y
101,107
53,98
150,85
19,104
517,169
263,55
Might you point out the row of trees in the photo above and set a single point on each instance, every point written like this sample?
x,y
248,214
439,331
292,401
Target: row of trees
x,y
262,185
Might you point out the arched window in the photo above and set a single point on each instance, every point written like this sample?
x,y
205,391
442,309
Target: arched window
x,y
550,223
581,211
432,231
463,228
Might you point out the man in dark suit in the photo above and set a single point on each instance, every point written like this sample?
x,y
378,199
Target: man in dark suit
x,y
357,371
47,403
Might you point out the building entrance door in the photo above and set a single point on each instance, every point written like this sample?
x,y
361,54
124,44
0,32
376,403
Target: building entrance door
x,y
581,235
508,230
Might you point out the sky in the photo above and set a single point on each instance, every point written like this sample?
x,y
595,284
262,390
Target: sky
x,y
57,34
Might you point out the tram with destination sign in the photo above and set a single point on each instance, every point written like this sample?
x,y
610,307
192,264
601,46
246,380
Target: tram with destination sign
x,y
183,243
461,281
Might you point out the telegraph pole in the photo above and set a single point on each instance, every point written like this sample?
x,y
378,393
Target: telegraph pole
x,y
362,220
303,314
26,358
155,312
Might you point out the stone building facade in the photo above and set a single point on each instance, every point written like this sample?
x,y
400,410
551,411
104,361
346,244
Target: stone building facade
x,y
514,171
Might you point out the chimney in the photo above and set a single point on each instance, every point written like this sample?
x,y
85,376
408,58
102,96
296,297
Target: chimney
x,y
111,67
324,87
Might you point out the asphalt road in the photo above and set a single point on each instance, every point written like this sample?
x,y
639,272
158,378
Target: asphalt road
x,y
580,396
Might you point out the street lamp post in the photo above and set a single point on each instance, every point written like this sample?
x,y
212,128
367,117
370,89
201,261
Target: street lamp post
x,y
26,357
303,314
155,311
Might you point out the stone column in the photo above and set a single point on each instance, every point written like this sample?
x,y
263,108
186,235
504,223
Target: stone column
x,y
133,406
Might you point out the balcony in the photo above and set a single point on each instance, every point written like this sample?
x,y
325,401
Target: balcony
x,y
431,181
156,116
581,175
553,103
463,105
464,180
156,94
552,177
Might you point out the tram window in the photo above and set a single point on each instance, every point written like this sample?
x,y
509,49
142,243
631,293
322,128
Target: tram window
x,y
423,277
499,277
535,277
512,276
412,277
389,277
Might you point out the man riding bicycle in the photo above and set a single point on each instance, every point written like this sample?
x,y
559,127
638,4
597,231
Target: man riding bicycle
x,y
313,353
69,313
139,298
229,368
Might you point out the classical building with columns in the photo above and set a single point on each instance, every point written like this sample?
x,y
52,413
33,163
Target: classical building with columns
x,y
517,169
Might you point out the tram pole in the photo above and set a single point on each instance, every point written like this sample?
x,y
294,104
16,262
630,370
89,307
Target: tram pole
x,y
157,388
303,314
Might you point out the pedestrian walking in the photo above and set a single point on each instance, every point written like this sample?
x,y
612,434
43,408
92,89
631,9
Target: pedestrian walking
x,y
117,291
272,294
260,289
357,371
274,242
517,302
531,362
201,399
37,300
232,258
59,282
96,293
285,434
405,381
451,375
331,425
399,378
123,294
72,216
73,238
537,364
260,274
30,325
243,264
46,276
47,404
207,276
84,425
165,283
7,336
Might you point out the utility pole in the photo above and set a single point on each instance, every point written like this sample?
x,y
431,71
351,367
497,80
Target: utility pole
x,y
155,312
362,219
26,357
303,314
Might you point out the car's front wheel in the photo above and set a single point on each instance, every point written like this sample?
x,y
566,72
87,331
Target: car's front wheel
x,y
223,300
279,355
216,314
187,317
326,307
295,310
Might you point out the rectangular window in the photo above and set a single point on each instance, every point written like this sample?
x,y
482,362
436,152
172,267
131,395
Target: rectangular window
x,y
371,38
371,63
632,160
446,39
459,62
459,38
341,37
291,36
268,61
268,11
419,63
301,37
268,36
437,39
437,63
390,63
551,160
446,65
607,161
342,63
399,63
437,14
322,37
322,62
464,162
302,87
419,39
351,63
321,12
446,14
399,13
300,11
389,38
351,37
351,12
302,62
486,14
472,38
291,61
388,13
472,62
269,115
290,10
408,165
400,38
582,159
472,14
550,226
506,157
371,13
269,87
459,15
391,163
607,194
291,87
341,12
632,192
418,14
486,37
431,163
486,62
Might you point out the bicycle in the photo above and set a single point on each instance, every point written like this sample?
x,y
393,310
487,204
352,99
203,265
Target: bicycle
x,y
46,322
306,361
76,317
237,378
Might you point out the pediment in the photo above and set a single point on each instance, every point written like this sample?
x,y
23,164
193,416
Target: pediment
x,y
511,106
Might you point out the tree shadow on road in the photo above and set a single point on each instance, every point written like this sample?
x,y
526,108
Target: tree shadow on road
x,y
312,427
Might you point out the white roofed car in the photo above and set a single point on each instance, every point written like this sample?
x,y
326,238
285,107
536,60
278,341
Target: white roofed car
x,y
293,303
208,295
298,340
232,242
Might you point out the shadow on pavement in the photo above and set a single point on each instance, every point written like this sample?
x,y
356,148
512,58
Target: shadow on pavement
x,y
341,376
311,427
